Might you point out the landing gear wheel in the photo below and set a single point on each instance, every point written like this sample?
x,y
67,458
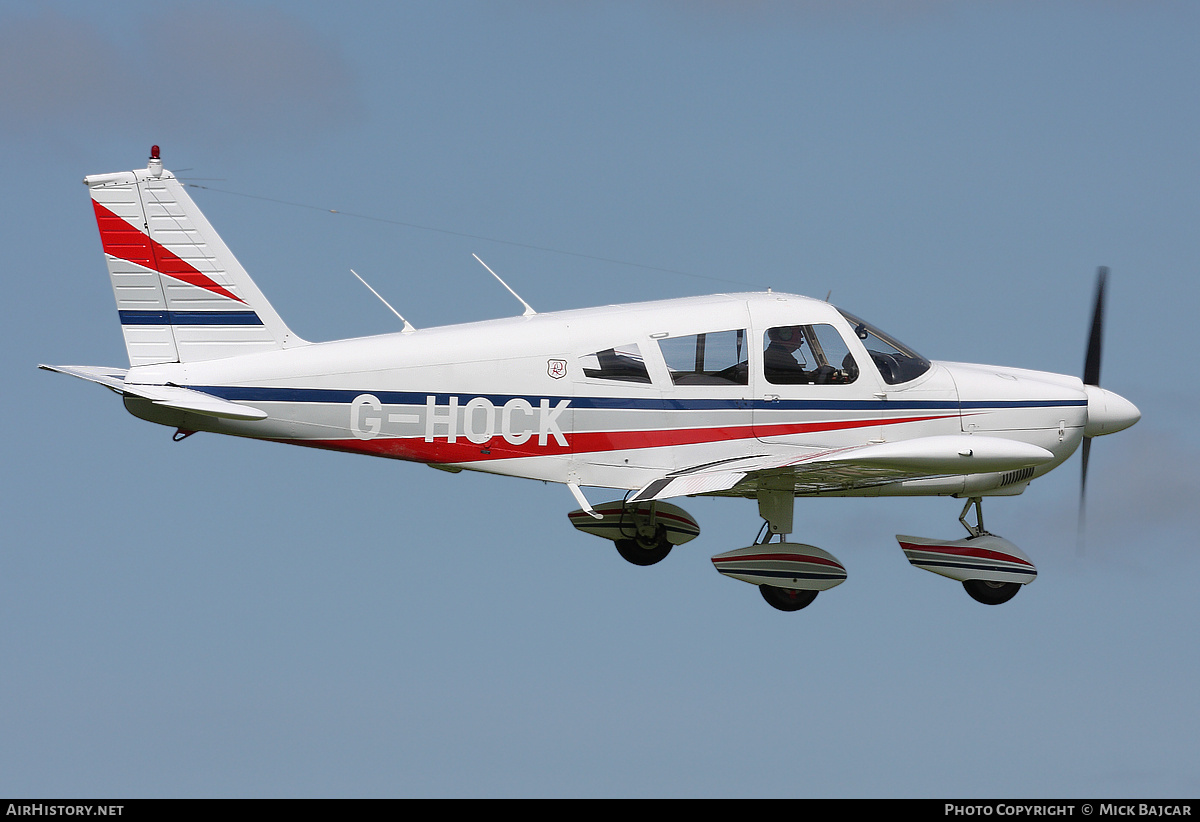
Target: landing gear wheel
x,y
787,599
645,550
991,593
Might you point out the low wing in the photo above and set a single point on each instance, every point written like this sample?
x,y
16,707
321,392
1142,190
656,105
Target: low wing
x,y
170,396
859,466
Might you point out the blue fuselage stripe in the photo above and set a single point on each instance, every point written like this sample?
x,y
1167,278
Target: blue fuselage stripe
x,y
237,393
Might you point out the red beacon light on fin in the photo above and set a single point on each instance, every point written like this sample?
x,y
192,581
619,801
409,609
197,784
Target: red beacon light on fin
x,y
154,166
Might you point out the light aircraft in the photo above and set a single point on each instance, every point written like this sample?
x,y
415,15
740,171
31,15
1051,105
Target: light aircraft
x,y
763,395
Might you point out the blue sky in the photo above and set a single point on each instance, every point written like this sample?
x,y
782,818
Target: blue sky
x,y
228,618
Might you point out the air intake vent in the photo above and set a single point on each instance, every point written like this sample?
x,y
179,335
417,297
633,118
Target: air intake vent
x,y
1016,476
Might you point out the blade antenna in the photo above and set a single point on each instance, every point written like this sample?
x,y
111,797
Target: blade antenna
x,y
528,308
408,328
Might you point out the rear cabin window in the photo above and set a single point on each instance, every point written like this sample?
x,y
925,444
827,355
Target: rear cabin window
x,y
623,363
713,358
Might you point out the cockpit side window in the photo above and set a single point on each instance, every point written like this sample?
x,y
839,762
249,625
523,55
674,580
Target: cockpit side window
x,y
897,363
621,362
713,358
807,355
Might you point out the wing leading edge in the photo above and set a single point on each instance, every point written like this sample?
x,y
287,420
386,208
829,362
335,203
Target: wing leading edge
x,y
858,466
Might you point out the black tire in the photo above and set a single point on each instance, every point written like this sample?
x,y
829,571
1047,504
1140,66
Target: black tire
x,y
787,599
645,552
991,593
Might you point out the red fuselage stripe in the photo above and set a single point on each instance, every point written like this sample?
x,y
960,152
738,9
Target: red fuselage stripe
x,y
416,448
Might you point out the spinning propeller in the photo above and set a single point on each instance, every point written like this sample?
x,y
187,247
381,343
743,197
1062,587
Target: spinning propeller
x,y
1107,412
1091,375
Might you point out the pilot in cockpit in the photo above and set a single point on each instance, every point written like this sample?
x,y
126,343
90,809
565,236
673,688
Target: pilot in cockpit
x,y
785,364
782,359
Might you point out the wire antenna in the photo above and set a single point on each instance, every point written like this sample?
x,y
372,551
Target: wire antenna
x,y
419,227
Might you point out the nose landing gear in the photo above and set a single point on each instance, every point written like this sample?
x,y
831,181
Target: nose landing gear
x,y
991,569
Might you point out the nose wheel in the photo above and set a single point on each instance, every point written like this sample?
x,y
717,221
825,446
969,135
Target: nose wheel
x,y
991,593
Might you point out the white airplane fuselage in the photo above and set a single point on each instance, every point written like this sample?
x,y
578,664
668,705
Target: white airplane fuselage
x,y
509,397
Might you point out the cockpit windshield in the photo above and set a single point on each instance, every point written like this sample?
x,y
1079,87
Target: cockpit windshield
x,y
897,363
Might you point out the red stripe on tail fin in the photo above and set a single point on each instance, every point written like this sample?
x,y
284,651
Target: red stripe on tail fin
x,y
127,242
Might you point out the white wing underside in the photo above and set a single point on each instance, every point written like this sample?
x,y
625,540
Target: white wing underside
x,y
861,466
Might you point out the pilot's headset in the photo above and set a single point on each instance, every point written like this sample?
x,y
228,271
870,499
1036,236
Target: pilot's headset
x,y
787,335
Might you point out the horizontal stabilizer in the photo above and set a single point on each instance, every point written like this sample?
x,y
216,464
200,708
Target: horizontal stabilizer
x,y
113,378
185,399
170,396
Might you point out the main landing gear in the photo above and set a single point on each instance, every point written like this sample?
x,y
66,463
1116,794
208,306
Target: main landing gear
x,y
644,533
648,545
991,569
789,575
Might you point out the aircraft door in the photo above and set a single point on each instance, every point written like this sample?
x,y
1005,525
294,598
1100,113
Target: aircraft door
x,y
810,386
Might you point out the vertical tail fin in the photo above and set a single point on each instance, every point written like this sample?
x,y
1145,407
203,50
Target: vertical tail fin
x,y
181,294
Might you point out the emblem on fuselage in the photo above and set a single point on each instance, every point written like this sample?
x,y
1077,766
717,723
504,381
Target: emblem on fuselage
x,y
556,368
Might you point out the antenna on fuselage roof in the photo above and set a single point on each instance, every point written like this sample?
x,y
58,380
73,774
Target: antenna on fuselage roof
x,y
408,328
528,308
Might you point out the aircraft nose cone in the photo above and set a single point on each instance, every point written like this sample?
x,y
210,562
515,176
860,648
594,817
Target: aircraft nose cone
x,y
1108,412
